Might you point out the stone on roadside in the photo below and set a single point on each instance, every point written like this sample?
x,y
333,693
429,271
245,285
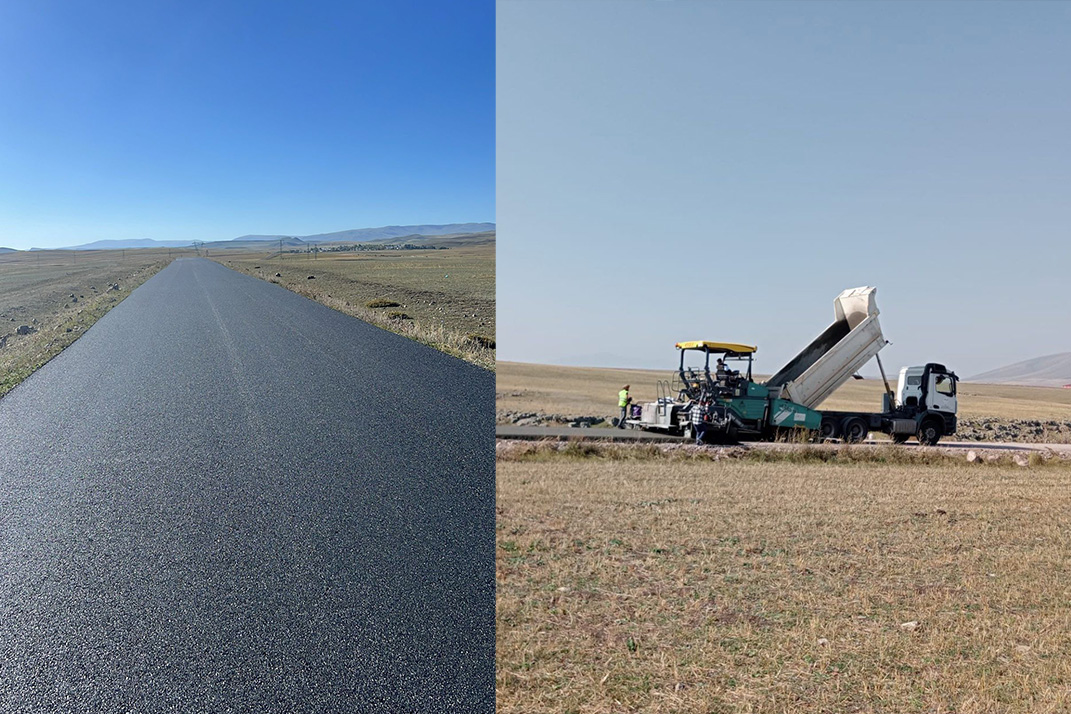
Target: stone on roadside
x,y
973,457
909,626
24,330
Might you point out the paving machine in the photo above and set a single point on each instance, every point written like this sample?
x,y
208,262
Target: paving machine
x,y
735,407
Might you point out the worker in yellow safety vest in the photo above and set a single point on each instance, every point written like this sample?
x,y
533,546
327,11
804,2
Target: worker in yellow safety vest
x,y
623,400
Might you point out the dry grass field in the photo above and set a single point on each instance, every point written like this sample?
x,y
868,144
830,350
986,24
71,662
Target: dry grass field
x,y
883,579
36,290
444,298
883,585
549,389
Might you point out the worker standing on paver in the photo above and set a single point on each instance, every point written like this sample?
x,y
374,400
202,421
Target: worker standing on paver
x,y
623,400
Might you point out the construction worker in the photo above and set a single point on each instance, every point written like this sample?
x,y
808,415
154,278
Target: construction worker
x,y
698,415
720,373
623,400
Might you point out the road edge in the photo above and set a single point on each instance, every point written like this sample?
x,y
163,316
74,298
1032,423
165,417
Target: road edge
x,y
63,329
447,343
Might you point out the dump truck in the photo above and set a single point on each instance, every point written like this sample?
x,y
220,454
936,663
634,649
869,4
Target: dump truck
x,y
736,407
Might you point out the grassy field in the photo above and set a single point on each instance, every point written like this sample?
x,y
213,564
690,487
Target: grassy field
x,y
36,290
660,585
444,298
577,391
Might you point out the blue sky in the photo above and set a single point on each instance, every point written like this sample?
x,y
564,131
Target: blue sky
x,y
722,170
209,120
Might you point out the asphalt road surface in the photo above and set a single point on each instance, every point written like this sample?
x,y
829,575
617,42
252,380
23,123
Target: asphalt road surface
x,y
228,498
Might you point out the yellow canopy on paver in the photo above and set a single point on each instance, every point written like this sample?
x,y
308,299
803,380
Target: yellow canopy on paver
x,y
719,347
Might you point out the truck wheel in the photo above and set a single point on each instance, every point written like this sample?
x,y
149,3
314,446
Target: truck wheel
x,y
900,438
828,429
930,432
855,430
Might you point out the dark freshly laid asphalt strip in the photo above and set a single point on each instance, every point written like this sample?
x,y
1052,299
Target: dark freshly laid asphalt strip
x,y
228,498
565,433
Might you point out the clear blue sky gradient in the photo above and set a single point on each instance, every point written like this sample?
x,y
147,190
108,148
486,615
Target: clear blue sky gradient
x,y
212,119
721,170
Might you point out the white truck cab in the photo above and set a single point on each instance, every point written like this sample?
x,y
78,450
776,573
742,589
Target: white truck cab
x,y
929,387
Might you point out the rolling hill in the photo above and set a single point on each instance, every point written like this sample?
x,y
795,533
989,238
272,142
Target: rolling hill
x,y
256,242
1048,371
8,250
440,240
126,244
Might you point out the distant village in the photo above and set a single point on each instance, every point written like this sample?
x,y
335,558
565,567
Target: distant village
x,y
362,246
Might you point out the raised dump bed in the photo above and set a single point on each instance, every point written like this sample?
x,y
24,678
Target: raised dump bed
x,y
836,354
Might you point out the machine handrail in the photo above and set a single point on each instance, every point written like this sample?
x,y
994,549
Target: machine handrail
x,y
662,390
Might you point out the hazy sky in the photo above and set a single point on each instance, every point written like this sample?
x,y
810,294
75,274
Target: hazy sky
x,y
721,170
209,119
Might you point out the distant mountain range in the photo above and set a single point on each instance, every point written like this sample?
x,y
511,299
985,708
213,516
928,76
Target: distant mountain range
x,y
361,235
357,235
126,244
8,250
1048,371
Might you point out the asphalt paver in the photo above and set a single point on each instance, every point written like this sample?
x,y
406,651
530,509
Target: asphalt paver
x,y
225,497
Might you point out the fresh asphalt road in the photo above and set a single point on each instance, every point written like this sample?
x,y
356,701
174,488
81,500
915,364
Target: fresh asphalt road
x,y
227,498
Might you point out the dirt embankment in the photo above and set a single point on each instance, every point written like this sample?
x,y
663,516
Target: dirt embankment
x,y
1027,431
